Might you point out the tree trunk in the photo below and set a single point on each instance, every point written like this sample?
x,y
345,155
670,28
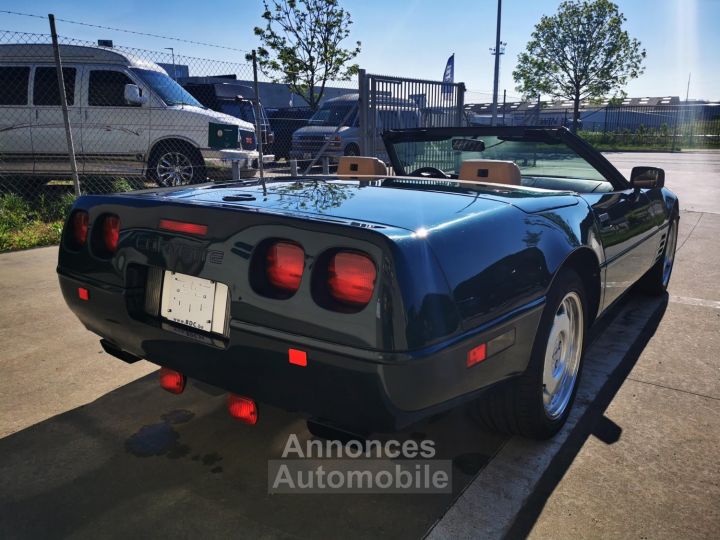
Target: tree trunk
x,y
576,111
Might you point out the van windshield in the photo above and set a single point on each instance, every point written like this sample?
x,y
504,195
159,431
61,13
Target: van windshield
x,y
168,90
332,114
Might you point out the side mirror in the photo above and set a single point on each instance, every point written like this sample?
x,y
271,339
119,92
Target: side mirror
x,y
132,95
647,177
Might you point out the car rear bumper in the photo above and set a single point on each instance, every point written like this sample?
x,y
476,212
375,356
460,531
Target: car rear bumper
x,y
346,386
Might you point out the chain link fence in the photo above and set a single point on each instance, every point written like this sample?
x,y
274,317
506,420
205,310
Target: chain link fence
x,y
659,127
138,118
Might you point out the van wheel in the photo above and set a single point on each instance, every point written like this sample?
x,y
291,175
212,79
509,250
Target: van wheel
x,y
176,164
537,403
352,150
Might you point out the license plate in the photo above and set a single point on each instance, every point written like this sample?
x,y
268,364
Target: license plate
x,y
307,155
195,302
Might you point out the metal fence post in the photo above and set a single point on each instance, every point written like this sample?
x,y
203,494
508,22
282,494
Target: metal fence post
x,y
362,112
258,125
63,104
460,102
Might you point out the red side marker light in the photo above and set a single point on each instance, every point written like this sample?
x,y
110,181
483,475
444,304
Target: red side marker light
x,y
297,357
172,381
182,227
242,408
476,355
83,294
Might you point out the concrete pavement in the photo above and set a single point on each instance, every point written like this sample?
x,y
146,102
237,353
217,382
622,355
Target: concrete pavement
x,y
90,446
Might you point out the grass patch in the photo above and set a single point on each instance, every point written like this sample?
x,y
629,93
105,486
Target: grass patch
x,y
34,234
26,223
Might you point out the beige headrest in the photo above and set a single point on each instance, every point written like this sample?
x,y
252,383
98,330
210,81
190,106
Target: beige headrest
x,y
361,166
490,170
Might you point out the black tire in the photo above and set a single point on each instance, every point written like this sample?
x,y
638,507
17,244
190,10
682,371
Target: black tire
x,y
352,149
516,406
329,432
655,282
180,152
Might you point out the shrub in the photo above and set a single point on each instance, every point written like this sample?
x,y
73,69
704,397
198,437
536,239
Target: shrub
x,y
54,208
15,212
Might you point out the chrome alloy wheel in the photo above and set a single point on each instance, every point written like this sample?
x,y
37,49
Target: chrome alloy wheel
x,y
174,169
669,258
562,355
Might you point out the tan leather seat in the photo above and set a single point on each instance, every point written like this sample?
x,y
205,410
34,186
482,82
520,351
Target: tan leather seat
x,y
491,171
361,166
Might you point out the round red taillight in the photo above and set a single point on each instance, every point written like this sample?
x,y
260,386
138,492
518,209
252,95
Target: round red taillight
x,y
351,277
285,262
80,222
111,233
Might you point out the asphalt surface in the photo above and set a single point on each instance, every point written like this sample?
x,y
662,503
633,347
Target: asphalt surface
x,y
92,447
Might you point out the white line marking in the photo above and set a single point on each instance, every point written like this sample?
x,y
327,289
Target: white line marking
x,y
695,301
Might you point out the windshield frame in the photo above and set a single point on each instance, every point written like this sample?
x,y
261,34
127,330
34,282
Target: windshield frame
x,y
520,133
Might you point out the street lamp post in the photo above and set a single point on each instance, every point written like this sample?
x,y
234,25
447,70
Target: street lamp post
x,y
497,51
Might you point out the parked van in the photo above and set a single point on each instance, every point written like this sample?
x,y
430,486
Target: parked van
x,y
236,99
127,116
390,113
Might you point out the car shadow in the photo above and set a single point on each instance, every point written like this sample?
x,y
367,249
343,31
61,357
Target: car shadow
x,y
139,461
593,421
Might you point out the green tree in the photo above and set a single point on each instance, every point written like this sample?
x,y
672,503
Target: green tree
x,y
580,52
302,45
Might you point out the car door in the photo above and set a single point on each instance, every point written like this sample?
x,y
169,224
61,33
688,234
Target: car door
x,y
627,225
115,134
50,150
15,120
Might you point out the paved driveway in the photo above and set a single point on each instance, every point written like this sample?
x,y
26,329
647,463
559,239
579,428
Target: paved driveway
x,y
91,446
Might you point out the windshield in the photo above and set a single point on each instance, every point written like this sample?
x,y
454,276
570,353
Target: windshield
x,y
245,110
551,165
168,90
332,114
239,109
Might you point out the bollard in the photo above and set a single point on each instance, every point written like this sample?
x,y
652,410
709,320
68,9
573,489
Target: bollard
x,y
293,167
326,165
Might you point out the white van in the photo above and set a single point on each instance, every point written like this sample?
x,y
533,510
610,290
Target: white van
x,y
127,116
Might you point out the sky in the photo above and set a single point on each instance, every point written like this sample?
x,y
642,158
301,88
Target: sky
x,y
410,38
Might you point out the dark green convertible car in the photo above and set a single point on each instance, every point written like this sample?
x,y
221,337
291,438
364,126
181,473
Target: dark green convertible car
x,y
369,300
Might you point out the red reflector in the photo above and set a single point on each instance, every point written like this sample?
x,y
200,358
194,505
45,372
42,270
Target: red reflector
x,y
285,264
111,233
351,277
476,355
182,227
83,293
172,381
297,357
242,408
80,227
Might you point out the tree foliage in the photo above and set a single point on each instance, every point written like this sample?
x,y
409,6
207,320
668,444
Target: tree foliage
x,y
302,45
581,52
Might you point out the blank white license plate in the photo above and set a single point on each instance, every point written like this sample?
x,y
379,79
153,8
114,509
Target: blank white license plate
x,y
195,302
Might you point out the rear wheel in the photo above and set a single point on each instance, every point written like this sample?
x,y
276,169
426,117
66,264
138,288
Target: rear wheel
x,y
656,281
176,165
537,403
